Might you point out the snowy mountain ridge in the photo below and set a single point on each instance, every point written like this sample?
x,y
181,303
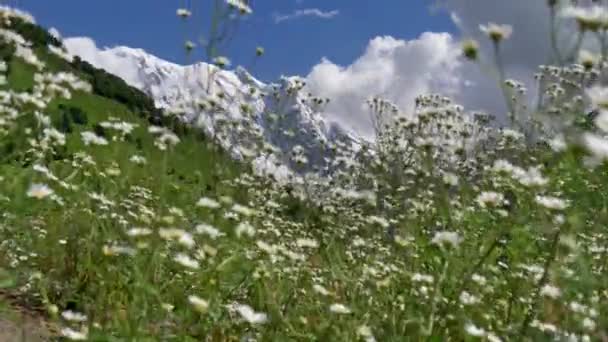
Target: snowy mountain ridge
x,y
206,96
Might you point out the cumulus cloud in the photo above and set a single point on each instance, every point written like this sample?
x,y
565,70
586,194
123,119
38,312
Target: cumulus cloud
x,y
395,69
400,70
307,12
87,49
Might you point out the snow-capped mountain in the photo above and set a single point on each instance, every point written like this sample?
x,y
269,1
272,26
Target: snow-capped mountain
x,y
282,114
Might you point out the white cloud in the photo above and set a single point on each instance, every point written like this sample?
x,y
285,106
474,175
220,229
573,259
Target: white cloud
x,y
105,59
400,70
307,12
395,69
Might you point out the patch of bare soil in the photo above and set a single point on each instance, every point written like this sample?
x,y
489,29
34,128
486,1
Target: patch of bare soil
x,y
19,324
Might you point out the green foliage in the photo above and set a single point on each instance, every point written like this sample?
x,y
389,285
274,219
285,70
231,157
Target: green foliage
x,y
35,34
113,87
6,51
65,126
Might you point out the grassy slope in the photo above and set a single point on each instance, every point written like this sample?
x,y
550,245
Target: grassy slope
x,y
176,178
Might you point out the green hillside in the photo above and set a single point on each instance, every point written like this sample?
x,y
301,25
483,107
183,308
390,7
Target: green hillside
x,y
102,185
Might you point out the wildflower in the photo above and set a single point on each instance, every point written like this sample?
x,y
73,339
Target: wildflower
x,y
596,145
183,13
240,5
270,249
470,49
8,12
73,316
401,241
591,18
550,291
545,327
366,332
171,233
550,202
54,136
91,138
309,243
29,56
259,51
221,61
320,290
497,32
138,160
489,198
45,171
249,315
558,143
186,261
186,240
339,309
208,250
417,277
245,228
139,232
468,299
447,238
512,134
39,191
167,307
601,121
589,324
117,250
472,330
450,179
479,279
60,53
378,220
75,335
208,203
587,59
189,45
113,171
598,96
531,177
493,338
166,139
242,210
209,230
198,303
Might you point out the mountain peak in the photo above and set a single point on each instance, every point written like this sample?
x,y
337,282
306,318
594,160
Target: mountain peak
x,y
204,95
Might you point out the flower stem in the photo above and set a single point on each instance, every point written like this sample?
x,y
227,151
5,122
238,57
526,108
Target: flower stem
x,y
542,282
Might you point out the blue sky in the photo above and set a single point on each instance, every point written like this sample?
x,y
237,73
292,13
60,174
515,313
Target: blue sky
x,y
292,46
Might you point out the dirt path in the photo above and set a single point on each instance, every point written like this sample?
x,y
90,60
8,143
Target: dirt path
x,y
18,326
22,331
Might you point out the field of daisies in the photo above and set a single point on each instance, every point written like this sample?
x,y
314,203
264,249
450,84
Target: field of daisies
x,y
120,223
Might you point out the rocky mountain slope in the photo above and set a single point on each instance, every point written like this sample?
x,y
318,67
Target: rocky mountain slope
x,y
286,118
